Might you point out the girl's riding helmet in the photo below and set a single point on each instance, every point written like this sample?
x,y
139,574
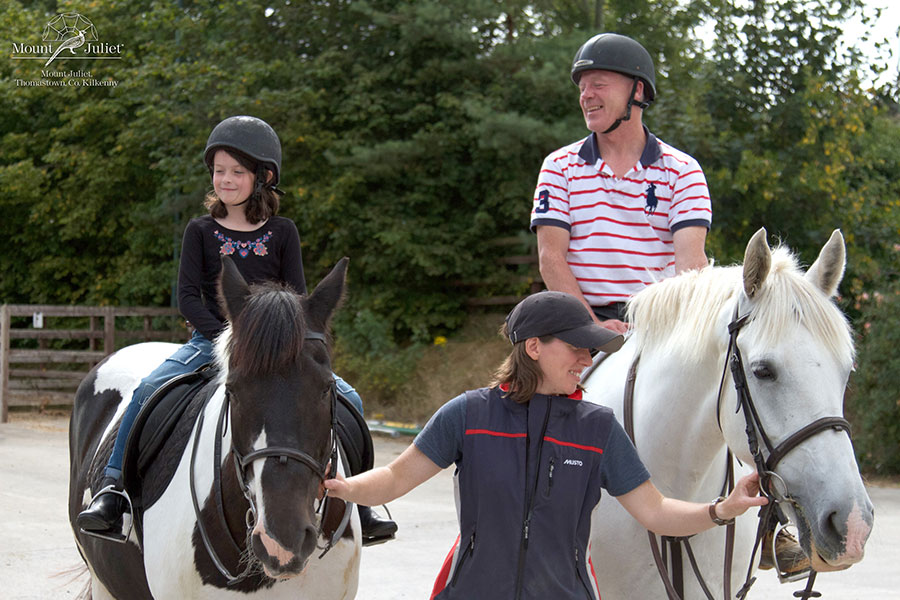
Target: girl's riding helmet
x,y
251,136
614,52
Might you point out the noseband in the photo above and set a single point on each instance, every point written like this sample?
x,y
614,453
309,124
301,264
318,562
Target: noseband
x,y
242,462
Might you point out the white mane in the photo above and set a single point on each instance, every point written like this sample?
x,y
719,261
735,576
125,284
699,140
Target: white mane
x,y
220,352
680,314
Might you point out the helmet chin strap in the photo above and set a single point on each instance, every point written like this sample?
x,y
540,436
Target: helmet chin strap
x,y
260,185
631,102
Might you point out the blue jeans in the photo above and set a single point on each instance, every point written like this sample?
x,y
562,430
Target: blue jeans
x,y
348,392
195,353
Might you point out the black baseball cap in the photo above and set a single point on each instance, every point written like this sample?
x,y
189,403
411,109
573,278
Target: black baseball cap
x,y
563,316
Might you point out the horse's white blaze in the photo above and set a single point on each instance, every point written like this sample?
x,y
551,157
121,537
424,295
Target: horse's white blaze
x,y
274,549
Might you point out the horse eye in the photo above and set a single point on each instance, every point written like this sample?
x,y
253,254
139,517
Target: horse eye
x,y
764,370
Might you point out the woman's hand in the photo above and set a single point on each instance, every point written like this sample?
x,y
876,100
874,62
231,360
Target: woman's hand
x,y
744,496
336,486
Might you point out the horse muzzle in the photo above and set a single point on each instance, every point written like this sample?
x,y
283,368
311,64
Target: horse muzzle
x,y
837,546
280,562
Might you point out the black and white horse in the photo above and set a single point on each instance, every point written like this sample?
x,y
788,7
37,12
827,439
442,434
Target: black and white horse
x,y
230,503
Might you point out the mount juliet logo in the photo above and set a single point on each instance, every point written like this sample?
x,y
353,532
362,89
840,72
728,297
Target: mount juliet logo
x,y
68,36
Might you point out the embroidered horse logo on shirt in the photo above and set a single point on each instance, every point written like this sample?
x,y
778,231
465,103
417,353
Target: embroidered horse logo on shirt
x,y
652,200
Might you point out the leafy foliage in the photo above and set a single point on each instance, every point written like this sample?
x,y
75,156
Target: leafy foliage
x,y
413,131
873,401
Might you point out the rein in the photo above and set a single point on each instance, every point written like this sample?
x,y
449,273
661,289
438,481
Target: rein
x,y
674,584
241,462
776,494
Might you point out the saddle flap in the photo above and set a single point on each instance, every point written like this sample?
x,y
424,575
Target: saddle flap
x,y
155,423
356,440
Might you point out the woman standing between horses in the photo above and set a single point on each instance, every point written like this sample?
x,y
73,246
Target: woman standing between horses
x,y
531,460
243,155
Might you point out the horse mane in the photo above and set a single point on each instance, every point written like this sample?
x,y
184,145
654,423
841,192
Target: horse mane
x,y
680,314
267,336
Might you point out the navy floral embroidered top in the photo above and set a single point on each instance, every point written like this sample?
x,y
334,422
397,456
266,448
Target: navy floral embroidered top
x,y
269,253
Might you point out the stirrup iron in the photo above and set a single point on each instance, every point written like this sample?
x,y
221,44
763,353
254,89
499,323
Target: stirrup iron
x,y
121,536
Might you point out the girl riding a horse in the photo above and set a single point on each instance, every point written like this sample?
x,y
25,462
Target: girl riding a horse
x,y
243,155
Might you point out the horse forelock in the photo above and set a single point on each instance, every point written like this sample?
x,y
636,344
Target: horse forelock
x,y
680,314
788,299
267,336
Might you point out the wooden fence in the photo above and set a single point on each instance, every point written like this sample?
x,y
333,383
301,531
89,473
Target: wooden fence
x,y
46,350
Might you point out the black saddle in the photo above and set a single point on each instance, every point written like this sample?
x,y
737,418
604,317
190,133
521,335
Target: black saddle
x,y
356,440
167,416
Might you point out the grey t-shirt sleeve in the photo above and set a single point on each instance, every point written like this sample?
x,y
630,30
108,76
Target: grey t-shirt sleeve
x,y
622,469
441,439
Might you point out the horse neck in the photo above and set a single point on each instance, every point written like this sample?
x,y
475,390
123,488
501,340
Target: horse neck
x,y
676,429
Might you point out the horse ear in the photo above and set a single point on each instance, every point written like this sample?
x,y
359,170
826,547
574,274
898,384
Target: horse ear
x,y
757,262
828,270
327,295
233,290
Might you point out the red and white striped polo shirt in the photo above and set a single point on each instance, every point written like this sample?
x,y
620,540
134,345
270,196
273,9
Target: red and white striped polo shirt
x,y
620,230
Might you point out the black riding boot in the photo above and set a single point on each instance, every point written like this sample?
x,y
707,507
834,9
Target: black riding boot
x,y
106,509
375,530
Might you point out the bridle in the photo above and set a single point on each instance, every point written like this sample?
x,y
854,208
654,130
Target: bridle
x,y
241,463
772,486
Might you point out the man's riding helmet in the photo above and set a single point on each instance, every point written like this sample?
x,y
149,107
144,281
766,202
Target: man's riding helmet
x,y
614,52
251,136
621,54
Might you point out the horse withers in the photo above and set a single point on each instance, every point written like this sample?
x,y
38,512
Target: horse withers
x,y
796,352
232,500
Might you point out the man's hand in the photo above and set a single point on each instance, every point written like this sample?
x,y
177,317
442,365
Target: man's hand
x,y
615,325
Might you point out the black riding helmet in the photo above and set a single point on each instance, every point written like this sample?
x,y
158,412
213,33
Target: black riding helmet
x,y
251,136
614,52
621,54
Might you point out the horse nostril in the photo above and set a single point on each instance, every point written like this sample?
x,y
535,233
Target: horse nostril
x,y
832,526
309,540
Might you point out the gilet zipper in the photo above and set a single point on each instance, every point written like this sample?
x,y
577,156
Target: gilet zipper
x,y
530,493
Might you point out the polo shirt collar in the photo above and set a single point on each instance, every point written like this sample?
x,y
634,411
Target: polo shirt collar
x,y
590,151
